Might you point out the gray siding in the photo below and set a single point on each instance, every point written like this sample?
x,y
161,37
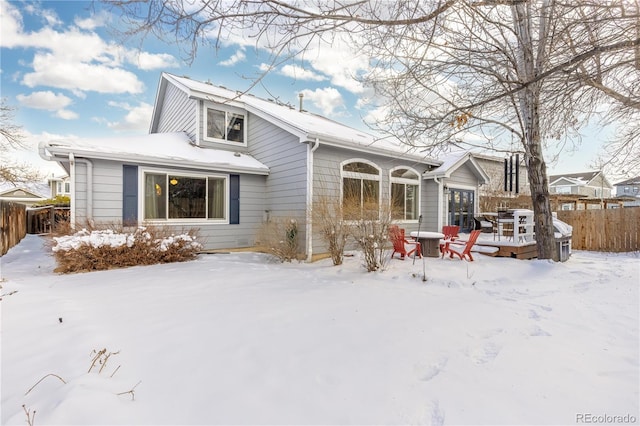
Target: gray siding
x,y
79,199
430,206
229,146
252,189
107,191
107,205
463,177
286,185
327,181
178,113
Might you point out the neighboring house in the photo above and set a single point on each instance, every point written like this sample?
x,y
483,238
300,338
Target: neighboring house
x,y
224,162
591,184
59,185
25,193
629,188
494,167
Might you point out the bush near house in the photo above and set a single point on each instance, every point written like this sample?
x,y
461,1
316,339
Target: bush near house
x,y
108,249
279,237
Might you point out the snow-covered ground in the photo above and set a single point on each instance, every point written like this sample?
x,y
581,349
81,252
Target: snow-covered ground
x,y
238,339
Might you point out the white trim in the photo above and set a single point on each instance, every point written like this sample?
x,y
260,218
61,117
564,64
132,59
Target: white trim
x,y
309,227
204,221
405,181
361,176
206,105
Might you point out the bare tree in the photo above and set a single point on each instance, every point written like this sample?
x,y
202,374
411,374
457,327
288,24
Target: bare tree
x,y
503,75
11,139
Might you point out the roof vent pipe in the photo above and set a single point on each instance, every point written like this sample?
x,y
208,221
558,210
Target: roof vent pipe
x,y
301,96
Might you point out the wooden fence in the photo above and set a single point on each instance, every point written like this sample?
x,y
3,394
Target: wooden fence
x,y
13,225
614,230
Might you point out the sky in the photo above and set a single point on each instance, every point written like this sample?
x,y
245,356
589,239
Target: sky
x,y
69,77
237,338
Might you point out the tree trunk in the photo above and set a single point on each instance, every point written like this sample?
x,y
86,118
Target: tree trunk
x,y
529,100
543,218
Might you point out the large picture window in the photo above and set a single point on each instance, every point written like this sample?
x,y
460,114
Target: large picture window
x,y
405,190
224,126
174,196
360,190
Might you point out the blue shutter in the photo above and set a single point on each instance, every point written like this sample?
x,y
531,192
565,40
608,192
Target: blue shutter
x,y
129,195
234,199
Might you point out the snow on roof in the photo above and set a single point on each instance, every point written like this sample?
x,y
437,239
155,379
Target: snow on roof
x,y
157,148
632,181
452,161
577,178
304,124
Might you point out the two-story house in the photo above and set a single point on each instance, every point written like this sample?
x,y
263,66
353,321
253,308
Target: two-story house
x,y
224,162
629,188
592,184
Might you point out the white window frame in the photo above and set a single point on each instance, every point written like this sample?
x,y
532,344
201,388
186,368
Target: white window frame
x,y
361,176
416,182
203,175
227,110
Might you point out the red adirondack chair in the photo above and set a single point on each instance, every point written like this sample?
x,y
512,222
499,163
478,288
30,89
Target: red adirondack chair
x,y
402,245
450,234
462,250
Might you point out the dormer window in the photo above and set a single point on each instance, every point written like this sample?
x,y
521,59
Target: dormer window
x,y
224,126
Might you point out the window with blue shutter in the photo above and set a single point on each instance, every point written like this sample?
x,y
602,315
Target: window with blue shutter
x,y
234,199
129,195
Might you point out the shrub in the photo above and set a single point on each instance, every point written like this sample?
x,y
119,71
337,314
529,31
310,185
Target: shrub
x,y
372,236
108,249
279,237
329,223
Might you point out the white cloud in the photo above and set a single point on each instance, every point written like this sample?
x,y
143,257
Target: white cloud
x,y
138,117
49,70
237,57
65,114
77,58
44,100
93,22
328,100
299,73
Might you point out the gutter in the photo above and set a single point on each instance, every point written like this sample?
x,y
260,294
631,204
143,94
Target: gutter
x,y
440,202
309,226
177,162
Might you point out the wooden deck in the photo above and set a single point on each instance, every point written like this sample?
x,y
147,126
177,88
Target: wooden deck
x,y
516,251
508,248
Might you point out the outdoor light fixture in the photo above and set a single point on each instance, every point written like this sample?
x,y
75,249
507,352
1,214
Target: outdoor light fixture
x,y
173,181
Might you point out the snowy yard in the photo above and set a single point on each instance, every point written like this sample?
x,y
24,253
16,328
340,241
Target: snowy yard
x,y
237,339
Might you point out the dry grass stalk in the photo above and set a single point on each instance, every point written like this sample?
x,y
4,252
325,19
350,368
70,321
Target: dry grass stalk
x,y
38,382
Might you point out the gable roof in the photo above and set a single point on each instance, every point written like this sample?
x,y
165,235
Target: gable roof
x,y
453,162
303,124
632,181
33,191
167,149
576,178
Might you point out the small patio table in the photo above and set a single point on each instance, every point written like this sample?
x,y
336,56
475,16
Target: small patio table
x,y
430,242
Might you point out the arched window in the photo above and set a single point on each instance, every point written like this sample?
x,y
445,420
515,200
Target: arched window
x,y
360,190
405,194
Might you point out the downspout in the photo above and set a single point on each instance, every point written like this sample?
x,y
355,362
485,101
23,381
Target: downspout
x,y
89,208
440,202
309,226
